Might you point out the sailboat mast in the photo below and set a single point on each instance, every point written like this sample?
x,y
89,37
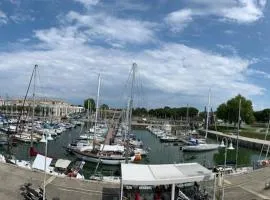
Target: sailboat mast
x,y
129,108
97,108
238,129
134,66
34,102
207,115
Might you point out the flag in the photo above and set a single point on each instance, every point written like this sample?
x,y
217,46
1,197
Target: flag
x,y
33,152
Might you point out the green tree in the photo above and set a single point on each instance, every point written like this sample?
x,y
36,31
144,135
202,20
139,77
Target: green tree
x,y
262,115
222,112
89,104
104,107
229,111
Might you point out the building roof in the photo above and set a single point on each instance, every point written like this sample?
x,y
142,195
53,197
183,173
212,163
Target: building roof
x,y
61,163
136,174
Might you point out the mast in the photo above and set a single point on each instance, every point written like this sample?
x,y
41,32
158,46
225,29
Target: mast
x,y
34,102
97,108
265,137
134,66
207,116
187,118
238,129
130,106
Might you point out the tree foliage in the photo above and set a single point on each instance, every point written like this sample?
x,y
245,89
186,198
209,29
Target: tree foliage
x,y
167,112
262,115
229,111
89,104
104,107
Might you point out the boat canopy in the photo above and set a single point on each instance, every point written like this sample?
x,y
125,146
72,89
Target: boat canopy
x,y
61,163
165,174
115,148
39,162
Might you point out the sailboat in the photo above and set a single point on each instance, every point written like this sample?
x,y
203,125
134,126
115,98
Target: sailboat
x,y
196,145
105,154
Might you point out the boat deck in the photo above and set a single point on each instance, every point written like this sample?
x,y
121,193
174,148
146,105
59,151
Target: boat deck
x,y
109,136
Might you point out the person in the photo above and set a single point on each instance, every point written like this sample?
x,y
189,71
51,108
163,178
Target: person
x,y
157,195
197,186
137,195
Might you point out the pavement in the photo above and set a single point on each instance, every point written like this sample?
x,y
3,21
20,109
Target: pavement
x,y
60,188
250,186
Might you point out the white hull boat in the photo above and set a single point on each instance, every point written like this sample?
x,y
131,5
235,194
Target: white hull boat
x,y
107,160
200,147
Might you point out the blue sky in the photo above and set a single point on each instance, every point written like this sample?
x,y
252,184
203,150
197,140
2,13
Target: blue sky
x,y
182,48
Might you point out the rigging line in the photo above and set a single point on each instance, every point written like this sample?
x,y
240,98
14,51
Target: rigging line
x,y
265,137
121,97
20,115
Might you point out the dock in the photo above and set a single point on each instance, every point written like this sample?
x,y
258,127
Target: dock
x,y
62,188
109,136
247,142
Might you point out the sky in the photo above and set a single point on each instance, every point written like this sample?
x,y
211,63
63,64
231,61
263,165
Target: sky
x,y
182,50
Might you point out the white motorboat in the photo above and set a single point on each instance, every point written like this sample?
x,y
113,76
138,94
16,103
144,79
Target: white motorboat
x,y
200,147
168,138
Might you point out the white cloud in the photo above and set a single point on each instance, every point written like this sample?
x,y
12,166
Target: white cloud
x,y
228,48
178,20
100,26
252,72
239,11
3,18
245,11
171,69
88,3
70,57
19,18
130,5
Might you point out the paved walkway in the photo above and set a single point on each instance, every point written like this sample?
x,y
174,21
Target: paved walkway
x,y
13,177
246,139
248,186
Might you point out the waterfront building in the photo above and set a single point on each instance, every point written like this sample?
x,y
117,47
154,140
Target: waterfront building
x,y
45,106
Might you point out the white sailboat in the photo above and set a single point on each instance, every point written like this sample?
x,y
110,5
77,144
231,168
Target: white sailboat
x,y
196,146
98,153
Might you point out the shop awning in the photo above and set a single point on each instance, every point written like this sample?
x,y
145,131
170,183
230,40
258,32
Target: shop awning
x,y
136,174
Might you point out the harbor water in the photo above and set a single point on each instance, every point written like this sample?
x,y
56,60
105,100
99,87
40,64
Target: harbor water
x,y
160,153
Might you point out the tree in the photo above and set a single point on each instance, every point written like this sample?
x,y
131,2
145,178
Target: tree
x,y
262,115
229,111
104,107
222,112
89,104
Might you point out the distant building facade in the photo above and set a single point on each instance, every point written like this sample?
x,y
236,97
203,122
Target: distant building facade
x,y
47,106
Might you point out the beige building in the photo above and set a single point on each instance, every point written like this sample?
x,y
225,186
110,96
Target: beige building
x,y
54,107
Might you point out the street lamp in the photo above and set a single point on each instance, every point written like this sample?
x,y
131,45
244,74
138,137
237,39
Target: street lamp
x,y
45,138
227,147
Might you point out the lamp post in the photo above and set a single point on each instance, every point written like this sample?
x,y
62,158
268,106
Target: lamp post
x,y
45,138
227,147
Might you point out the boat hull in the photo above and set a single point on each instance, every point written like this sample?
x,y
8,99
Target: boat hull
x,y
96,159
201,147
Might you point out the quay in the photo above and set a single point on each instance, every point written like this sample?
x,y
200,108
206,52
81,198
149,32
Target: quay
x,y
58,188
252,185
252,143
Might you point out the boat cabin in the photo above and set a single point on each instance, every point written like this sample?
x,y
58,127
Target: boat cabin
x,y
61,165
166,181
